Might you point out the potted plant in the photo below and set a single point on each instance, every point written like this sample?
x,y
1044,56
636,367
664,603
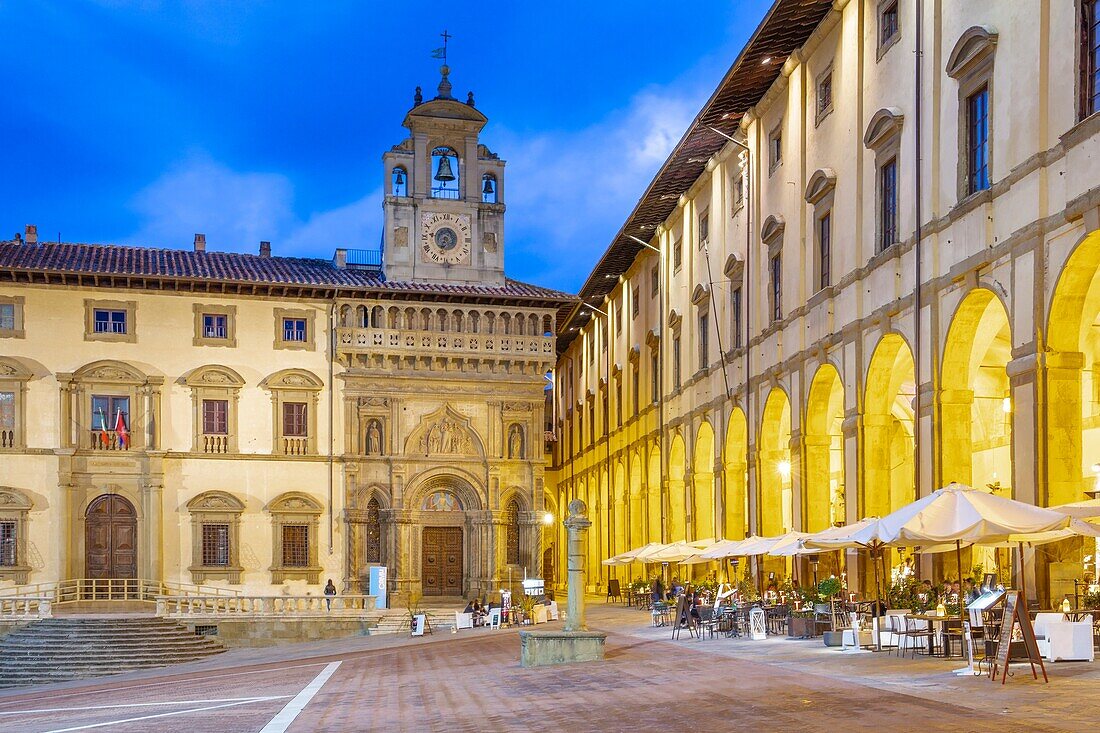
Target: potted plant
x,y
827,590
526,606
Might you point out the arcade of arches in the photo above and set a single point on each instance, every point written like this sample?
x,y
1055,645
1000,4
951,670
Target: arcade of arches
x,y
832,443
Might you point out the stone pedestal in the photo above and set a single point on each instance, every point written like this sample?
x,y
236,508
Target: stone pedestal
x,y
574,643
538,648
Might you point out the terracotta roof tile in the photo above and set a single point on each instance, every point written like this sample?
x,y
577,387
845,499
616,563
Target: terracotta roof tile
x,y
144,262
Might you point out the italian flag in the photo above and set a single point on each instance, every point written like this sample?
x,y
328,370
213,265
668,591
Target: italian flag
x,y
103,437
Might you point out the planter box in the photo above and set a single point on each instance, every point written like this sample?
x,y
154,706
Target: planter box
x,y
801,628
833,638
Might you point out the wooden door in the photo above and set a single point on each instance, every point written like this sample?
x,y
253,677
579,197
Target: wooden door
x,y
110,538
441,561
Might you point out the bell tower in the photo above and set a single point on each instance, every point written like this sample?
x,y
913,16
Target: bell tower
x,y
444,204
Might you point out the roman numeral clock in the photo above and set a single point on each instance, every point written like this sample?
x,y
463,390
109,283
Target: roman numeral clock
x,y
445,238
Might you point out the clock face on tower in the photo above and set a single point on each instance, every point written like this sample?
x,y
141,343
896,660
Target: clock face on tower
x,y
445,238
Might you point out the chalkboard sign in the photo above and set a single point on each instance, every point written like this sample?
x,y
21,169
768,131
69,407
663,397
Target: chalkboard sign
x,y
1016,614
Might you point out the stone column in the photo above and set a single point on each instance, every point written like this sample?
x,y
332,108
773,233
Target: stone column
x,y
576,525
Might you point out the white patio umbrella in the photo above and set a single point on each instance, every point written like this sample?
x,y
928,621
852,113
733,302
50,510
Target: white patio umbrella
x,y
673,552
790,545
1089,509
722,550
632,556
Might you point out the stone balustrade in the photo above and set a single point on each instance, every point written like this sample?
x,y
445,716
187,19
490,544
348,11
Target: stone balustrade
x,y
247,606
445,344
25,607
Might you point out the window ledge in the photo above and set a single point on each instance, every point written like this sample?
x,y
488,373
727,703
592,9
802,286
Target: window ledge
x,y
969,203
17,573
1086,129
280,575
887,45
12,333
202,573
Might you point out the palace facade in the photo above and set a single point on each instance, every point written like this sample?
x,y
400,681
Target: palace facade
x,y
256,421
870,267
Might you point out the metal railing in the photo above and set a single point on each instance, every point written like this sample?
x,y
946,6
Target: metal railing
x,y
206,607
113,589
15,608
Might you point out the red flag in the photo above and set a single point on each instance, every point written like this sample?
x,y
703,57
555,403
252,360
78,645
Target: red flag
x,y
121,432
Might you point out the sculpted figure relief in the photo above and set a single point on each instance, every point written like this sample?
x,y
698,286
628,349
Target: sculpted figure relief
x,y
374,438
446,437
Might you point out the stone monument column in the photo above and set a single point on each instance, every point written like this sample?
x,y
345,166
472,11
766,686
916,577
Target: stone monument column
x,y
576,526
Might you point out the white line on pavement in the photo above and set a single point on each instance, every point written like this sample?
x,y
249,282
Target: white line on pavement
x,y
146,717
142,705
286,716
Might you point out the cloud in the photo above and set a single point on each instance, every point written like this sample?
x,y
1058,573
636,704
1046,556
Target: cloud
x,y
236,210
568,192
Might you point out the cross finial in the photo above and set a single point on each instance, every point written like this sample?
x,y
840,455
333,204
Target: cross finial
x,y
446,37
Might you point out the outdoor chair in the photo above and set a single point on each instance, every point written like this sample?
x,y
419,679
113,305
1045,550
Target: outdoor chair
x,y
708,621
893,631
916,636
614,591
953,632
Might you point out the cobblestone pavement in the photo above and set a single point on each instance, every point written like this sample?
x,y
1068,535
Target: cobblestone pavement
x,y
472,681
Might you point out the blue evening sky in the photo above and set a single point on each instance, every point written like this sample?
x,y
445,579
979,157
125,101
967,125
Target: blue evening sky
x,y
143,122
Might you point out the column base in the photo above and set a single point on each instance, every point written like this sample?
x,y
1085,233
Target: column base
x,y
542,648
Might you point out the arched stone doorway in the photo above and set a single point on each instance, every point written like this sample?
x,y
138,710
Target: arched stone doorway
x,y
110,539
776,511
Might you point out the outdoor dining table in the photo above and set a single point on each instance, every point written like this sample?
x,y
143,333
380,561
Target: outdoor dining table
x,y
933,619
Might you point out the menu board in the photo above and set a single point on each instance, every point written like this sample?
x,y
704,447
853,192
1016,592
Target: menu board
x,y
1016,614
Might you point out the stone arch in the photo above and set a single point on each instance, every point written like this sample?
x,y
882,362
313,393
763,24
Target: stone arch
x,y
515,493
293,379
462,483
887,440
654,505
823,438
776,502
214,375
619,510
974,45
735,476
637,531
975,429
702,480
1073,375
216,500
677,470
110,370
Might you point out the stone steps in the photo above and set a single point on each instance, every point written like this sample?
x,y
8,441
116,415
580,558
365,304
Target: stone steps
x,y
59,649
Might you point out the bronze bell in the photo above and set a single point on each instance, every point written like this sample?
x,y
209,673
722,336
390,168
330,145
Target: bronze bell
x,y
444,172
399,177
487,189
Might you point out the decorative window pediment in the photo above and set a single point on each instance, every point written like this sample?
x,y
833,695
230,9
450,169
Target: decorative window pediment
x,y
293,379
294,542
215,537
821,183
734,266
108,371
215,501
294,502
653,338
700,296
772,229
214,376
635,354
885,125
974,46
674,319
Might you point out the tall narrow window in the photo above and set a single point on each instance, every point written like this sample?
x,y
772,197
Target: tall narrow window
x,y
654,281
776,268
373,540
635,385
676,362
619,403
215,545
888,23
635,302
677,254
654,379
824,250
7,419
825,94
591,422
619,318
512,528
704,227
738,190
1090,57
8,554
295,424
606,412
977,116
295,546
888,204
735,311
704,341
775,149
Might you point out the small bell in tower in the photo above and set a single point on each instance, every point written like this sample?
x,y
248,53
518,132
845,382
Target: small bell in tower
x,y
399,177
443,172
487,189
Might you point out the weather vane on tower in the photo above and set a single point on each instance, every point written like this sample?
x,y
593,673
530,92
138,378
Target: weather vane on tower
x,y
441,53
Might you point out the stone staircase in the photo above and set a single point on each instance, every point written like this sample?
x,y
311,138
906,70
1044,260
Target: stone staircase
x,y
60,649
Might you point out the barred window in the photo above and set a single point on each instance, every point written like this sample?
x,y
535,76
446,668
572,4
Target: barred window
x,y
374,532
512,520
295,546
215,545
8,554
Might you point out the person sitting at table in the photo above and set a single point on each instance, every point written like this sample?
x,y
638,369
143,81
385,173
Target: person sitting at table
x,y
970,593
657,593
677,588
